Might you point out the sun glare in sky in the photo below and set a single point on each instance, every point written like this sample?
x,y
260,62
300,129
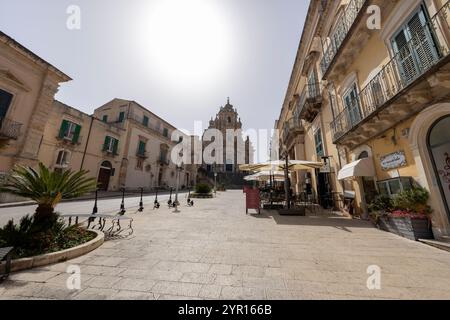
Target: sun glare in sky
x,y
186,42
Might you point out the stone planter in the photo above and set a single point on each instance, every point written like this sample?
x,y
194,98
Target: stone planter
x,y
407,227
201,196
59,256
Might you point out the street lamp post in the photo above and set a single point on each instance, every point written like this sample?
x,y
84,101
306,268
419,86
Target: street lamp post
x,y
179,168
215,183
286,181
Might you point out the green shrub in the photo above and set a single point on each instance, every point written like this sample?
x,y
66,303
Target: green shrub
x,y
381,203
413,200
33,237
202,188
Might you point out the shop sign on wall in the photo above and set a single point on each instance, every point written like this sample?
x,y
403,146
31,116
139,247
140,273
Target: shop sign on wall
x,y
393,161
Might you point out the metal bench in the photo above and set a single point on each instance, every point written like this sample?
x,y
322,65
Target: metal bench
x,y
5,254
115,228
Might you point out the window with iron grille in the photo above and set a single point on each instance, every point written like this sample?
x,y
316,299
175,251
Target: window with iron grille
x,y
352,105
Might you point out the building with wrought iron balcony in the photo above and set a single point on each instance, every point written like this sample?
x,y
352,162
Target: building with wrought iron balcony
x,y
310,101
382,119
348,33
416,76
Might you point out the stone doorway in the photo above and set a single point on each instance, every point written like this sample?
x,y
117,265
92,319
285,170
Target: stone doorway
x,y
104,175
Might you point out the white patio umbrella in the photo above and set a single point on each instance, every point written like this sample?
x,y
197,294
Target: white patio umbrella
x,y
285,165
266,175
280,165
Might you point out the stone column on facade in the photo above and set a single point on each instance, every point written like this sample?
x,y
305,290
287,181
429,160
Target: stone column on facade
x,y
29,150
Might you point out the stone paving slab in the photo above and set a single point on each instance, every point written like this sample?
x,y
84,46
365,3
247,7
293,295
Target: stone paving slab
x,y
215,251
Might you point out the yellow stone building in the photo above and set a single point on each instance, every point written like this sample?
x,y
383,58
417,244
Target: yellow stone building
x,y
122,144
369,95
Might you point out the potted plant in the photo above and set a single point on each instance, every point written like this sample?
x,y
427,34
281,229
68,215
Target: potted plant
x,y
407,214
202,190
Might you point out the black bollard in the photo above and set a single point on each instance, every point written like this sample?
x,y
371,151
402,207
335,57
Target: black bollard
x,y
95,209
141,203
169,203
156,204
190,203
122,205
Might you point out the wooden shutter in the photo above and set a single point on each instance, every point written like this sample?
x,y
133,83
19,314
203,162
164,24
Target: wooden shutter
x,y
422,41
76,135
106,143
63,129
115,146
141,147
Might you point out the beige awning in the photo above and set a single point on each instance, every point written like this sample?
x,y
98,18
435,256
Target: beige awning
x,y
359,168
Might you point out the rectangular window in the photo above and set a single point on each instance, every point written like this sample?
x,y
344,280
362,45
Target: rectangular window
x,y
111,145
105,119
70,131
5,102
415,47
394,186
166,132
62,160
351,102
141,148
163,156
319,143
145,121
139,164
121,116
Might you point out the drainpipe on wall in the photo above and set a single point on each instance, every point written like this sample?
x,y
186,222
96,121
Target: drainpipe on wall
x,y
87,143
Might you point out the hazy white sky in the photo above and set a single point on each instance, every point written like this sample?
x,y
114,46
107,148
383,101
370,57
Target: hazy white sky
x,y
179,58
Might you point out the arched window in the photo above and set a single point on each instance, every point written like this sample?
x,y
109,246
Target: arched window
x,y
106,164
363,155
439,148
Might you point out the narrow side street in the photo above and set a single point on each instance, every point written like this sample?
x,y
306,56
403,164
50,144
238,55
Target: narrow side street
x,y
214,250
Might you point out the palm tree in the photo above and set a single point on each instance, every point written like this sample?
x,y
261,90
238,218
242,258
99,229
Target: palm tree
x,y
47,188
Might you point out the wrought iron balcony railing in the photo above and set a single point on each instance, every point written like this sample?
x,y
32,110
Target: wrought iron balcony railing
x,y
309,100
343,27
292,127
426,48
9,129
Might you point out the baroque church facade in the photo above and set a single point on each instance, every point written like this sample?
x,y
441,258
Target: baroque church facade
x,y
228,122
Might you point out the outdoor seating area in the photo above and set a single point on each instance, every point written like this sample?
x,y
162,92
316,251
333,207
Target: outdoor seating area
x,y
272,179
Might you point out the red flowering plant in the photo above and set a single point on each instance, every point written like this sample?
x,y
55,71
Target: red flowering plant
x,y
412,204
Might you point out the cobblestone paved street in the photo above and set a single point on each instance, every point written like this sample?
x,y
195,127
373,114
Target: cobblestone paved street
x,y
215,251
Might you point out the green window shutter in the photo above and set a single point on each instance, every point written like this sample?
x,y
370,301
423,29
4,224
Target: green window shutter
x,y
76,135
115,146
121,116
145,121
141,147
106,144
105,119
63,129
